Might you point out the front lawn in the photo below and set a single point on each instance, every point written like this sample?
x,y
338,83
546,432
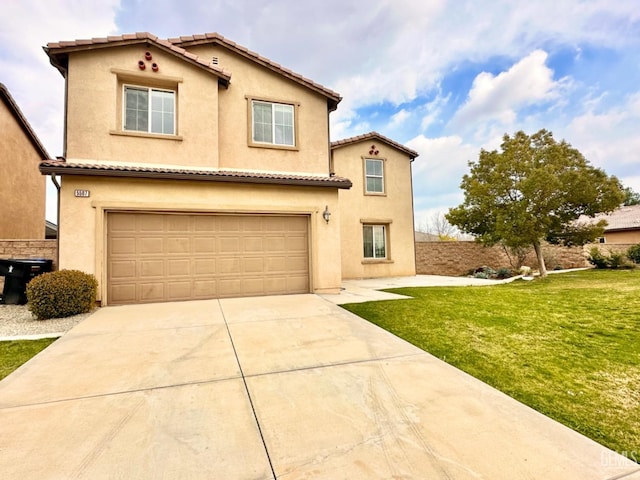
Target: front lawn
x,y
568,346
16,352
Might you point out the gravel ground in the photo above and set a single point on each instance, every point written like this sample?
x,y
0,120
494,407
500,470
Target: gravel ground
x,y
17,320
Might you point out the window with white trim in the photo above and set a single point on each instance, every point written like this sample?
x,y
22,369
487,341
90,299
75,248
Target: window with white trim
x,y
374,241
273,123
374,175
149,110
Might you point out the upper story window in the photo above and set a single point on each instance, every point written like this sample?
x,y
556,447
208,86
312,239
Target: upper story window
x,y
149,110
273,123
374,175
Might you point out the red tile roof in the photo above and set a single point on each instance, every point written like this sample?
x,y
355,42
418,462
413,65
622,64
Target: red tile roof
x,y
61,167
373,136
58,51
11,104
216,38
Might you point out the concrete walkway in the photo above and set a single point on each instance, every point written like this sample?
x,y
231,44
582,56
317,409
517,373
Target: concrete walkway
x,y
367,290
286,387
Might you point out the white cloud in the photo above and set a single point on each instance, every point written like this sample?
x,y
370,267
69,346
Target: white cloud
x,y
500,97
610,138
399,118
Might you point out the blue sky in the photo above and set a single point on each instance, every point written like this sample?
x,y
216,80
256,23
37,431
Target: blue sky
x,y
445,78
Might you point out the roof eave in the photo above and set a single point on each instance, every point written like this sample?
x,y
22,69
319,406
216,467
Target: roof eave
x,y
193,176
22,120
59,56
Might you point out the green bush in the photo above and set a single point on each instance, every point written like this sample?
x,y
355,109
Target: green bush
x,y
504,273
617,260
61,294
596,258
634,253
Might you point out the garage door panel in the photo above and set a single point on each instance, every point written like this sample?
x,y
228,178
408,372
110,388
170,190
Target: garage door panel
x,y
150,245
253,244
178,223
123,245
122,223
152,268
165,257
205,289
204,245
296,244
178,245
125,292
179,290
205,223
204,266
152,292
150,223
123,269
180,266
296,264
253,265
225,223
229,245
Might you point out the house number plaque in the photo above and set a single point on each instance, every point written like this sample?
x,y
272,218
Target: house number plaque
x,y
82,193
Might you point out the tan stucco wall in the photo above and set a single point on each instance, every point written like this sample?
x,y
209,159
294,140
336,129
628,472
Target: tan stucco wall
x,y
251,80
83,233
94,115
22,188
395,206
628,236
212,122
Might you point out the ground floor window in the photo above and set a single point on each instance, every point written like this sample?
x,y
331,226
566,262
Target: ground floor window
x,y
374,241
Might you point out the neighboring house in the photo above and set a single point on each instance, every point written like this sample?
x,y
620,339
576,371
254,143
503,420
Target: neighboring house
x,y
623,225
426,237
22,188
376,214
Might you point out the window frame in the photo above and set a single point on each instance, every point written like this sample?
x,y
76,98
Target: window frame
x,y
373,176
385,239
150,90
252,142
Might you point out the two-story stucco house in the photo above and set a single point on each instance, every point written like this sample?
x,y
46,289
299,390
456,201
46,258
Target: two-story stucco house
x,y
194,168
376,214
22,188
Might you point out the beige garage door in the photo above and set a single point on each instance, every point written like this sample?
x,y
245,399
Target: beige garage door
x,y
166,257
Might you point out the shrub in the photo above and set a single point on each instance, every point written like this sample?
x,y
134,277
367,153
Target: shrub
x,y
504,273
617,260
596,258
634,253
61,294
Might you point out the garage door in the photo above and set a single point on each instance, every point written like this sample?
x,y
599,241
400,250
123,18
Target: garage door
x,y
167,257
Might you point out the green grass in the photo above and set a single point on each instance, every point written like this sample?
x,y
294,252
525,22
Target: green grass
x,y
16,352
568,346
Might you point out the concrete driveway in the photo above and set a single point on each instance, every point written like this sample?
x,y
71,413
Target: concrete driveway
x,y
288,387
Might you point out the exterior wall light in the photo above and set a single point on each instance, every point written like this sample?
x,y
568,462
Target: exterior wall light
x,y
326,214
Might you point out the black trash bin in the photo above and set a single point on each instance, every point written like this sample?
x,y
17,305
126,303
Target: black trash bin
x,y
17,272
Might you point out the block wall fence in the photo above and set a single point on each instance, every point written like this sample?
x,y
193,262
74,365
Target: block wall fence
x,y
457,258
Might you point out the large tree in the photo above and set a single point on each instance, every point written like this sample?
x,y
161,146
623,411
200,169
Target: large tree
x,y
534,189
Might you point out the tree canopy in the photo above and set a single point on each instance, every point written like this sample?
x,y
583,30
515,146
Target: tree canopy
x,y
534,189
631,197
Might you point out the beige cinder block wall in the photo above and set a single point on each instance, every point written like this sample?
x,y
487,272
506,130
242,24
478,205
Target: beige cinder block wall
x,y
22,188
83,225
395,207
